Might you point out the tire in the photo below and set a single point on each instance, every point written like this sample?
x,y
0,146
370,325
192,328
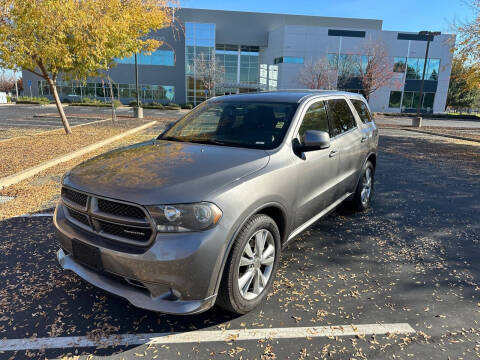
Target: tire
x,y
232,296
364,192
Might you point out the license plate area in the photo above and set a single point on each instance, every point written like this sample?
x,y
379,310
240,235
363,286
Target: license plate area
x,y
87,255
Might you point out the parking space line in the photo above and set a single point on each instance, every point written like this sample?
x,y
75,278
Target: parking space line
x,y
202,336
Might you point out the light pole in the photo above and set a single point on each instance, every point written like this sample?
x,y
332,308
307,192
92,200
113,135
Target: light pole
x,y
429,35
137,110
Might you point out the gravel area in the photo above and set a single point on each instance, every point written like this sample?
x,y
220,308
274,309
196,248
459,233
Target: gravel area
x,y
20,153
42,191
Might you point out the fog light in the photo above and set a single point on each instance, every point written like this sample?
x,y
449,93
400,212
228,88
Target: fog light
x,y
176,293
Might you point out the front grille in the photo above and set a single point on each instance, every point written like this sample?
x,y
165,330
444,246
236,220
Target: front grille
x,y
134,233
107,218
82,218
119,209
75,197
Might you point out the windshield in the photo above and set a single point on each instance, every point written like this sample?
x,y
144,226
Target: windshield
x,y
260,125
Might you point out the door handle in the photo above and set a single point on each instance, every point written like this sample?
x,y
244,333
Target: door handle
x,y
364,138
333,153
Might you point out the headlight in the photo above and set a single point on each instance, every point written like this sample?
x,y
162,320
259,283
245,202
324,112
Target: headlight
x,y
185,217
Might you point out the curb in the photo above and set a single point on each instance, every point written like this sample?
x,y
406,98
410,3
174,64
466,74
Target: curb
x,y
442,135
25,174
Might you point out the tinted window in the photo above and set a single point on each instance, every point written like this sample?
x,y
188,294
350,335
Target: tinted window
x,y
315,119
260,125
362,111
340,115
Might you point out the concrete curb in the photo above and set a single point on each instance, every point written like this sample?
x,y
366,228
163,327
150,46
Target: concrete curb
x,y
25,174
442,135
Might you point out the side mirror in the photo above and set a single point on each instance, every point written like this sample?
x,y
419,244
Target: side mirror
x,y
316,140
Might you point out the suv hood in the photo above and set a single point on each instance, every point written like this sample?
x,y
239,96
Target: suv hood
x,y
164,172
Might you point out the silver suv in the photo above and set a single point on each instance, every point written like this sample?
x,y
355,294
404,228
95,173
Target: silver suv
x,y
200,215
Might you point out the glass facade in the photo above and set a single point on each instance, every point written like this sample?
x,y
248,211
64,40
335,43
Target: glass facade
x,y
199,40
410,100
241,64
414,67
148,93
399,64
158,57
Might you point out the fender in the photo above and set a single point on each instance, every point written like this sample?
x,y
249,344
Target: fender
x,y
364,162
249,212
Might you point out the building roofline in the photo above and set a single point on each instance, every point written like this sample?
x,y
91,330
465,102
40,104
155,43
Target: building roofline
x,y
304,16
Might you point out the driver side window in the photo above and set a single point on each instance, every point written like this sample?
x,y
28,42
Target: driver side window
x,y
315,119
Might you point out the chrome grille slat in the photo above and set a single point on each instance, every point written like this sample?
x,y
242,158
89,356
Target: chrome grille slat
x,y
135,230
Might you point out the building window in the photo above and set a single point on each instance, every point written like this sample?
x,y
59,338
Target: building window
x,y
288,60
347,33
400,64
199,40
157,57
148,93
395,99
411,100
415,69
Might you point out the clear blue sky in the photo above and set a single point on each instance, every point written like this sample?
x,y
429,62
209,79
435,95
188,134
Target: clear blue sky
x,y
406,15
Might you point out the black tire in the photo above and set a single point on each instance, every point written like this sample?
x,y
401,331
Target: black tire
x,y
229,295
358,203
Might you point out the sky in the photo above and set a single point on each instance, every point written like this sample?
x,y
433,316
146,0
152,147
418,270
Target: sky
x,y
403,15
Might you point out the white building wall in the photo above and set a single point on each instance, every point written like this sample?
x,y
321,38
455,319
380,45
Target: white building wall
x,y
313,42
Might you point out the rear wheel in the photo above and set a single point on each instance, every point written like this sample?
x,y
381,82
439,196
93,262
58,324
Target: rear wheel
x,y
364,192
251,266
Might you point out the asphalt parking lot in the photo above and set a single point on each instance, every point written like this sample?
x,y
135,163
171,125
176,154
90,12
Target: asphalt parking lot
x,y
411,259
47,118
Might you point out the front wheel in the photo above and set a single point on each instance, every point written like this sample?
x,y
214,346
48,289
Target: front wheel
x,y
251,266
364,192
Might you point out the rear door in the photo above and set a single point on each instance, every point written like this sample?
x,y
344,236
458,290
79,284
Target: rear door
x,y
369,129
317,170
349,141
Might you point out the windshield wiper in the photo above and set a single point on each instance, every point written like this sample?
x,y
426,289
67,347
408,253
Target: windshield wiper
x,y
171,138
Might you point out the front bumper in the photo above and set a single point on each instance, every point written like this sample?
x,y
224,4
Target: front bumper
x,y
177,274
134,296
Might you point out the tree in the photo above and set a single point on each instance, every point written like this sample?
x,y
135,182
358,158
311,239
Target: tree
x,y
7,82
460,92
468,45
210,72
374,68
318,75
76,39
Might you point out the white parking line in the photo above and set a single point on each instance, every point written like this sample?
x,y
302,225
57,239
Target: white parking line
x,y
201,336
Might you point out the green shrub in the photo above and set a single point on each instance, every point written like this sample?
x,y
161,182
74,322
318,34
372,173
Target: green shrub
x,y
9,99
173,105
134,103
187,106
33,100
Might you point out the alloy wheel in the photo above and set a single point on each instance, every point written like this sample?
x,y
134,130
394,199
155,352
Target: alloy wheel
x,y
256,264
367,186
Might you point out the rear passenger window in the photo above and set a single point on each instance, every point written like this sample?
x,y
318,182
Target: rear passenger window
x,y
315,119
362,110
341,116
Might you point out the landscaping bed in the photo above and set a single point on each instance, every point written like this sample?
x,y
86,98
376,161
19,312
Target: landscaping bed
x,y
42,191
17,154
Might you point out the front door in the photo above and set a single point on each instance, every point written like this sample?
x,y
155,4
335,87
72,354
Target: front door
x,y
317,170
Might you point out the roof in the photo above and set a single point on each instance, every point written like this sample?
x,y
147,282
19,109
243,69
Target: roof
x,y
281,96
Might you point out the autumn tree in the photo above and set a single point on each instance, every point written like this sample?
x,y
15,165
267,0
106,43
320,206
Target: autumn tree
x,y
76,39
209,72
373,67
460,92
318,74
